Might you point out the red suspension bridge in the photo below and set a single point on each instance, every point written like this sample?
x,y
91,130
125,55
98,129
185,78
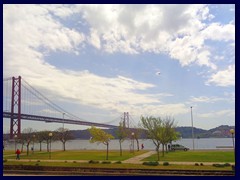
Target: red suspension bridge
x,y
21,101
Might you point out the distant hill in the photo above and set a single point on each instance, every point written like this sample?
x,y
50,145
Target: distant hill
x,y
222,131
185,132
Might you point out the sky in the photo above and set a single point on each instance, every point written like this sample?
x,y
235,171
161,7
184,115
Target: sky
x,y
98,61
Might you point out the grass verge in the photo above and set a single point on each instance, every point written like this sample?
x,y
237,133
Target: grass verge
x,y
195,156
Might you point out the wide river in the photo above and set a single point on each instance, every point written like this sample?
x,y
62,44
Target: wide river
x,y
77,144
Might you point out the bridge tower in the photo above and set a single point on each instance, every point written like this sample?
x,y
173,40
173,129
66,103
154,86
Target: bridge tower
x,y
125,120
15,126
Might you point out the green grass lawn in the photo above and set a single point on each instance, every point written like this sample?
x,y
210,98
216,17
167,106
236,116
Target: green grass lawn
x,y
8,152
178,156
78,155
195,156
71,156
112,165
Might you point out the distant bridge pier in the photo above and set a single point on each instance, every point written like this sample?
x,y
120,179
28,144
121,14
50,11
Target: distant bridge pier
x,y
125,120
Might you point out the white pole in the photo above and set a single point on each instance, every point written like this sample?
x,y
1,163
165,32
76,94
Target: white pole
x,y
192,128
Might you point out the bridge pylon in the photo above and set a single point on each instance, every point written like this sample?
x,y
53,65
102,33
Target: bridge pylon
x,y
125,120
15,126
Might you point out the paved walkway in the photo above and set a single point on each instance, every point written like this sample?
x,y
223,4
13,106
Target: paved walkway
x,y
137,159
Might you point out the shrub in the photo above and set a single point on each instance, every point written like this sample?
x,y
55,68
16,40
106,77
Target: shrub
x,y
218,165
106,162
222,165
227,164
196,164
65,161
74,162
5,160
165,163
118,162
38,160
93,162
151,163
201,164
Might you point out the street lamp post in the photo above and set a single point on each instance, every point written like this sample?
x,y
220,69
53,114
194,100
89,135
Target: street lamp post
x,y
50,137
133,141
192,128
15,138
232,131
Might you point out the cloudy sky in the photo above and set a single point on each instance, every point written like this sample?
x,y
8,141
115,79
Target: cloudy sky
x,y
98,61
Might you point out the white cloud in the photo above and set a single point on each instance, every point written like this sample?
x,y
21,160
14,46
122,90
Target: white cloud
x,y
205,99
217,114
203,59
114,94
59,10
34,27
130,29
223,78
94,39
36,30
217,31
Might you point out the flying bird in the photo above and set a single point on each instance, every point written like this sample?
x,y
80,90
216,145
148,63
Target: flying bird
x,y
158,73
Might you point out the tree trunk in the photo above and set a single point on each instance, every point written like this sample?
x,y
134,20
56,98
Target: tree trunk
x,y
137,144
27,149
158,154
107,152
166,148
40,145
162,150
22,147
64,147
120,143
47,146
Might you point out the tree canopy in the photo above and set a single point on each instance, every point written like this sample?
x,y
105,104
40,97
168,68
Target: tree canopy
x,y
98,135
160,130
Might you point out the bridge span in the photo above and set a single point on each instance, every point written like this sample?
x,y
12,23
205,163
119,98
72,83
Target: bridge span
x,y
54,120
24,102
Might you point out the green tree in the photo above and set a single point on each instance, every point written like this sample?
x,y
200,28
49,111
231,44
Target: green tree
x,y
171,133
161,131
122,134
154,127
98,135
168,132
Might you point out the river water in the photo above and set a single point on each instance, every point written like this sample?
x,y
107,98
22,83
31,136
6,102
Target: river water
x,y
78,144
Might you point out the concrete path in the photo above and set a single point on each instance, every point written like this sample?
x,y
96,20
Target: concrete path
x,y
137,159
